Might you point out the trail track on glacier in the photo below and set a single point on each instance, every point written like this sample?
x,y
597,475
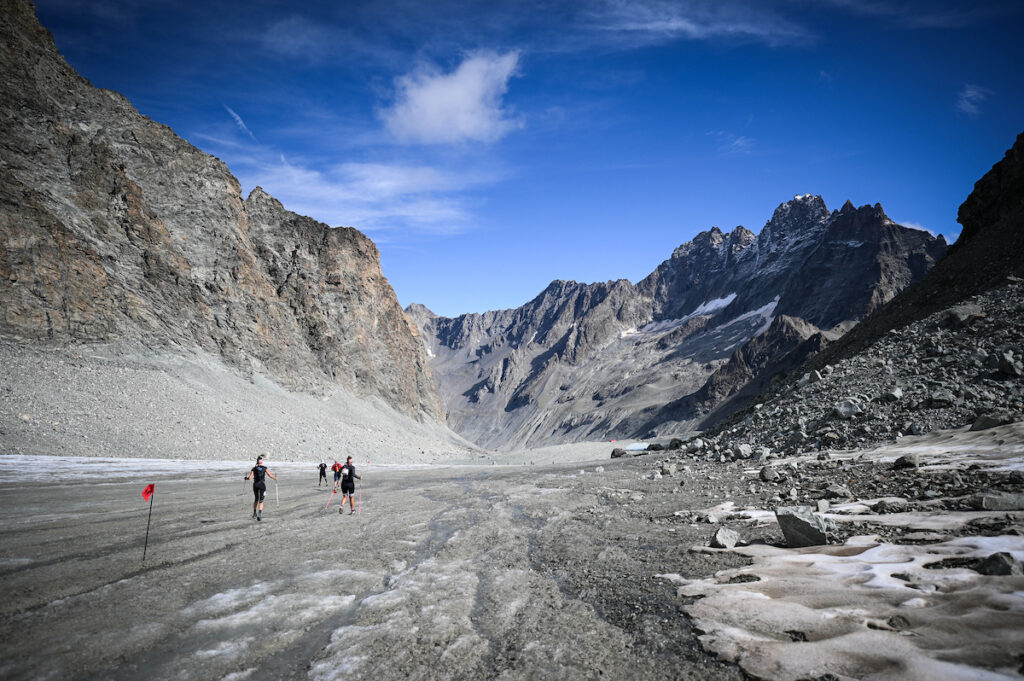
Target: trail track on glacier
x,y
448,573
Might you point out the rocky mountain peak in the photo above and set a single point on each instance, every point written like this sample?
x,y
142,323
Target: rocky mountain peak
x,y
803,214
259,195
419,311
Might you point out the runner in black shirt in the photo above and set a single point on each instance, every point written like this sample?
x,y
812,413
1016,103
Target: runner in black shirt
x,y
259,473
348,484
323,474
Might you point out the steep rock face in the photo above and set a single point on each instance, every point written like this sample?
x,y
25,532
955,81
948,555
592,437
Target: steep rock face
x,y
608,360
986,254
112,228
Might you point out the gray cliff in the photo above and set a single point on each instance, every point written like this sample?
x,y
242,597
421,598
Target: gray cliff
x,y
114,230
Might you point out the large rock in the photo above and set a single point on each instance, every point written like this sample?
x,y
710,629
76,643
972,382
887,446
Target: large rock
x,y
847,409
993,419
801,526
1000,564
998,501
725,538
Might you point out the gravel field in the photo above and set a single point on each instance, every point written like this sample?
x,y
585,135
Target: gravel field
x,y
112,401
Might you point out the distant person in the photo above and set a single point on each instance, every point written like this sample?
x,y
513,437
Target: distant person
x,y
323,474
348,485
337,474
259,474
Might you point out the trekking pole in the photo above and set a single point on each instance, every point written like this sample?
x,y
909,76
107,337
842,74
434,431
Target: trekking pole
x,y
329,499
277,499
244,480
360,497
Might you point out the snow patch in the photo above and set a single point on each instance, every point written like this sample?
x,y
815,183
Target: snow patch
x,y
844,600
704,308
765,313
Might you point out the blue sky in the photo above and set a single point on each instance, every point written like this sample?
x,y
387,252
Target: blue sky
x,y
491,147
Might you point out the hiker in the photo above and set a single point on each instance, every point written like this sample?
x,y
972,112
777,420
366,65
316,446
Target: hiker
x,y
323,474
259,473
348,485
337,474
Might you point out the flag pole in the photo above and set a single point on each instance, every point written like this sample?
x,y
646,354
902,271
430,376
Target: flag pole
x,y
150,518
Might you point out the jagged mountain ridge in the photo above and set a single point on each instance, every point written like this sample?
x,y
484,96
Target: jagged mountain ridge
x,y
115,230
594,361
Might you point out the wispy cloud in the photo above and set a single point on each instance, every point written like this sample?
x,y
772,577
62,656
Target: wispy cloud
x,y
656,21
240,123
376,198
915,225
914,15
296,36
731,144
970,97
432,107
383,199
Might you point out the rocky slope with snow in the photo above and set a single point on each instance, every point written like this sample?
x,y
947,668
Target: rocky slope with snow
x,y
614,359
116,232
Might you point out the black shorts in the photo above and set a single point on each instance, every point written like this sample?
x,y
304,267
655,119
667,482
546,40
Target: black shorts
x,y
348,488
259,490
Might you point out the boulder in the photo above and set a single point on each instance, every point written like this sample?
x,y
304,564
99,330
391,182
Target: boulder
x,y
618,453
695,445
998,501
894,505
725,538
893,395
801,526
999,564
1008,366
907,461
847,409
960,316
837,491
655,447
743,451
769,474
992,419
675,443
941,398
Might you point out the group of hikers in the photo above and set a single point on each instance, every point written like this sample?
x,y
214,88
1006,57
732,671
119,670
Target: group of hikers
x,y
344,477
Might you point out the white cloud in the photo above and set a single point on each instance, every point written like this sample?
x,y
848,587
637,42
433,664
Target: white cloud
x,y
970,97
465,105
376,198
240,123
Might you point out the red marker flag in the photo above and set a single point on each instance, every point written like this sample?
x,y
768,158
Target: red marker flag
x,y
148,492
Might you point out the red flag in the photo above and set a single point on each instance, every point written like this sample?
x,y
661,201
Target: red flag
x,y
148,492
